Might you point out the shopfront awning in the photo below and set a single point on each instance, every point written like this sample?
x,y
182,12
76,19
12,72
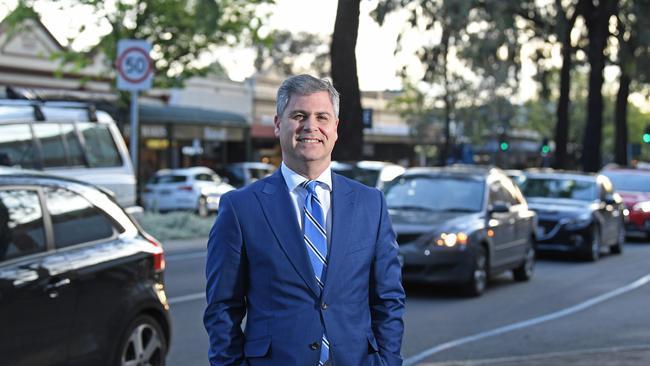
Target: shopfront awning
x,y
165,114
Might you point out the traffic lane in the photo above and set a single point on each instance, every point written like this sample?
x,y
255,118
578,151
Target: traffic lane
x,y
185,274
435,315
621,323
189,338
185,288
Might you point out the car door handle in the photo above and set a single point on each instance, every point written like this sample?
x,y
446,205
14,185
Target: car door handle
x,y
57,284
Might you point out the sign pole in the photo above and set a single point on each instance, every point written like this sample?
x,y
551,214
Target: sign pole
x,y
134,73
134,131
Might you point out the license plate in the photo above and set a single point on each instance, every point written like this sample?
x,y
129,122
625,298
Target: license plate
x,y
165,192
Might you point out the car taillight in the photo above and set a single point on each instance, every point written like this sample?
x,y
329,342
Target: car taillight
x,y
185,188
158,253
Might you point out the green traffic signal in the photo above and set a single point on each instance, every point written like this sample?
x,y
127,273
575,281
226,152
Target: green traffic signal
x,y
646,137
546,149
503,146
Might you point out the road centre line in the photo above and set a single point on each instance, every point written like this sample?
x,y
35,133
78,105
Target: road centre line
x,y
527,323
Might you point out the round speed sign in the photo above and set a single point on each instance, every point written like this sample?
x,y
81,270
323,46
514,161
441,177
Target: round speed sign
x,y
134,67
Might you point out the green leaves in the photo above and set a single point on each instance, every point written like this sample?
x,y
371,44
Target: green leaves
x,y
180,31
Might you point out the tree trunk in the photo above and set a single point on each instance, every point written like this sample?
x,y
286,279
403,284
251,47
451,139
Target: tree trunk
x,y
446,147
620,148
562,126
344,75
597,20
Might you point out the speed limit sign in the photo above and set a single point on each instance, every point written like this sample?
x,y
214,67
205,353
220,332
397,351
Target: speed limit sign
x,y
133,65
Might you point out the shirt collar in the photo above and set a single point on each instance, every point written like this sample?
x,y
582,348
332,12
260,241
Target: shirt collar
x,y
293,179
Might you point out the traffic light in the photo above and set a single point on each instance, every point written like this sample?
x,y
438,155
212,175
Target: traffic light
x,y
544,148
503,143
646,135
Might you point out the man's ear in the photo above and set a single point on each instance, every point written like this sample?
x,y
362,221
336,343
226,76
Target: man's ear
x,y
276,123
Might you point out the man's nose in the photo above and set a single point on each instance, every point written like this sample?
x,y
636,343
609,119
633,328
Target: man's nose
x,y
309,123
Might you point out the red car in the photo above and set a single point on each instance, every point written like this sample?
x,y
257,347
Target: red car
x,y
634,186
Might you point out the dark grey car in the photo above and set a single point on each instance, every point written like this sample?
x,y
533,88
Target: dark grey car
x,y
461,225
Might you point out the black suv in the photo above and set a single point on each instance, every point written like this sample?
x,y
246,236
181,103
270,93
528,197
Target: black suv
x,y
80,282
461,225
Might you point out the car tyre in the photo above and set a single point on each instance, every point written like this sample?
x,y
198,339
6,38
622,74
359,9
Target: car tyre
x,y
617,248
143,343
525,271
202,209
592,253
478,281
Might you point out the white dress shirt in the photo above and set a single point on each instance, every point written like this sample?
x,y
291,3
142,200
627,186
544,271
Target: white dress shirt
x,y
299,194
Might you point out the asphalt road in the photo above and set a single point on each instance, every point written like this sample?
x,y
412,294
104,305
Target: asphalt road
x,y
570,311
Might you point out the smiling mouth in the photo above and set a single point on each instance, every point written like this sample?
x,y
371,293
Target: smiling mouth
x,y
309,140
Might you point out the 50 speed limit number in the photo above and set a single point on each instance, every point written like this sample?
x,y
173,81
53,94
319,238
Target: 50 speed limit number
x,y
134,67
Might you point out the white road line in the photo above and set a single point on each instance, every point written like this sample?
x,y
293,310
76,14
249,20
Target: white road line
x,y
521,360
527,323
191,297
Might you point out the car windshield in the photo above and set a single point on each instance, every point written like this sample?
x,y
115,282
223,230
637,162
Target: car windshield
x,y
366,176
559,188
435,194
629,182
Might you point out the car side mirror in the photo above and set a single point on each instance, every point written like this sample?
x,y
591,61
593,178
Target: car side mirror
x,y
499,207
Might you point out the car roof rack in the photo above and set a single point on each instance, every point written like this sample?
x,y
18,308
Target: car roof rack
x,y
38,104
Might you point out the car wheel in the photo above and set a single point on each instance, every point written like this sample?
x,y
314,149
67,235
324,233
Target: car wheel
x,y
479,279
617,248
202,209
143,343
593,251
525,271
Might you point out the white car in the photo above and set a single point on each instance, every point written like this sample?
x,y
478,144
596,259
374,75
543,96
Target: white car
x,y
371,173
198,189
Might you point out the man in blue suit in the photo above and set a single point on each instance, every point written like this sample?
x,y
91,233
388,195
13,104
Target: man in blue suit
x,y
308,256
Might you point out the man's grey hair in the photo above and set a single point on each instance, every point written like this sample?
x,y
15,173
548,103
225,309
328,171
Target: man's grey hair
x,y
305,85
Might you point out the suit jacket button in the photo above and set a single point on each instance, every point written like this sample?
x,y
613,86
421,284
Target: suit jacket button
x,y
323,306
314,346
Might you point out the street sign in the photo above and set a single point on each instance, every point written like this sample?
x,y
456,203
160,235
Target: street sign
x,y
133,65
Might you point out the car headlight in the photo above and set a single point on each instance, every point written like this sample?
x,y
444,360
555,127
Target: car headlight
x,y
642,206
451,240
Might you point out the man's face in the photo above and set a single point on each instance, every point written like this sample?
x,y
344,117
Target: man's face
x,y
307,130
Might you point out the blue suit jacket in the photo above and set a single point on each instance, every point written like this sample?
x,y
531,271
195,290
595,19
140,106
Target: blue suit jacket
x,y
258,266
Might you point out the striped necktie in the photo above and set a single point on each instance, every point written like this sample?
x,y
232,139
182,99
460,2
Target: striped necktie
x,y
316,240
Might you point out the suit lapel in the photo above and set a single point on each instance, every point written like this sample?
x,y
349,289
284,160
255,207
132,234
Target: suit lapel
x,y
343,197
280,213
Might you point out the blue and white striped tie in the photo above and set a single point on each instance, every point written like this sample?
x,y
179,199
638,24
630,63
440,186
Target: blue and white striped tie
x,y
316,240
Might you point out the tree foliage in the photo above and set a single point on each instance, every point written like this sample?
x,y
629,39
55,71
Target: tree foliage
x,y
179,31
470,56
293,53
